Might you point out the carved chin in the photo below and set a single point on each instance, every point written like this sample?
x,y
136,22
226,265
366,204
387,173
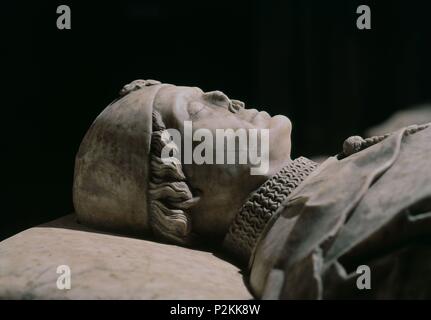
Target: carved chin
x,y
280,122
279,138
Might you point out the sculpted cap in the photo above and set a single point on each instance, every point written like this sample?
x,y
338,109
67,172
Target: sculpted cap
x,y
112,164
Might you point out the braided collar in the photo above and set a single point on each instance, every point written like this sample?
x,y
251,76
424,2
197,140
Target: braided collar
x,y
261,205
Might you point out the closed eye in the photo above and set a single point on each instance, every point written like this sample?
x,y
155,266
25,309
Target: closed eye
x,y
194,108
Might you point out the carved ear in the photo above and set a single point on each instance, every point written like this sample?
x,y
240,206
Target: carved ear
x,y
218,98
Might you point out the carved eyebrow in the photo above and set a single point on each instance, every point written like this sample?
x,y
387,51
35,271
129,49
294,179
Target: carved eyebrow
x,y
194,108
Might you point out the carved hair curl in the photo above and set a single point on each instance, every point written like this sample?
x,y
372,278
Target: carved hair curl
x,y
170,196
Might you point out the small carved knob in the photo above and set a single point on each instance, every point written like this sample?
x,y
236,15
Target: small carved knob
x,y
136,85
352,145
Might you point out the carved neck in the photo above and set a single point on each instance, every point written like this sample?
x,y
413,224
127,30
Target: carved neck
x,y
261,205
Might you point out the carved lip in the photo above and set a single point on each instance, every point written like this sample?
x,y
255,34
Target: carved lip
x,y
263,114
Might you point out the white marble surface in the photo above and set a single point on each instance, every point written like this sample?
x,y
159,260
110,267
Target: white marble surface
x,y
105,266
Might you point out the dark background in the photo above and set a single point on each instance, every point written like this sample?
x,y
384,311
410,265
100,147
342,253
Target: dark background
x,y
305,59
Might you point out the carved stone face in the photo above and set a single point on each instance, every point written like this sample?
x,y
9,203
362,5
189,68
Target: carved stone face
x,y
222,188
